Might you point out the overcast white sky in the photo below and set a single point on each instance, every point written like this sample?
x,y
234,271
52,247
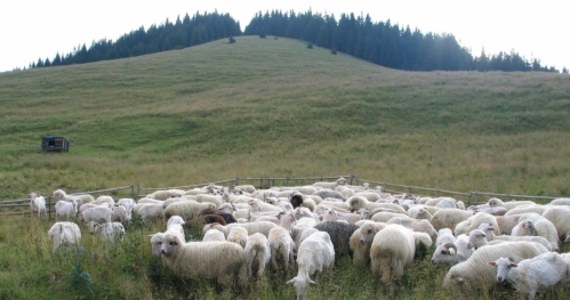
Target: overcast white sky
x,y
30,29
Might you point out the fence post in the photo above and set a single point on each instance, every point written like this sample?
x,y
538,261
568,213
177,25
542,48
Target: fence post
x,y
48,208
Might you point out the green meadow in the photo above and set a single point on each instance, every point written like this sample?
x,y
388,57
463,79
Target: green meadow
x,y
260,107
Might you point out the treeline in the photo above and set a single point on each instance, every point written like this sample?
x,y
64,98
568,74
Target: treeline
x,y
168,36
384,43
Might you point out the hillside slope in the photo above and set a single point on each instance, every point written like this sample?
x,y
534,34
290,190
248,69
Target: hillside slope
x,y
262,107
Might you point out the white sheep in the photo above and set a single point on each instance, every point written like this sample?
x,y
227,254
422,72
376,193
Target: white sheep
x,y
238,235
258,253
538,225
392,249
64,233
509,204
559,216
316,254
484,235
282,247
104,199
526,208
361,240
560,201
262,227
223,261
214,235
175,226
333,215
453,253
99,213
449,217
128,204
37,204
329,184
81,199
418,225
444,236
474,221
66,210
528,275
148,211
188,210
109,231
476,273
120,214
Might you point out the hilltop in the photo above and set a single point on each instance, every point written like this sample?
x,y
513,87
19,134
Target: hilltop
x,y
274,107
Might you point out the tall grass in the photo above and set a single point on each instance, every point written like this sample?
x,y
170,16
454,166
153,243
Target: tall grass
x,y
96,270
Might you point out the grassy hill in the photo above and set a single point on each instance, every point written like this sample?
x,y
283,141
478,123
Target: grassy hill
x,y
273,107
261,107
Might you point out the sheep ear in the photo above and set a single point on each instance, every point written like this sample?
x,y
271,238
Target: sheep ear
x,y
492,263
292,280
311,281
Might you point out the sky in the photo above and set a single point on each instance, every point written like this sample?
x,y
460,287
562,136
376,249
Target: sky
x,y
32,29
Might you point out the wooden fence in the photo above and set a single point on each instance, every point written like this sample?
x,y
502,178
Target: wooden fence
x,y
21,206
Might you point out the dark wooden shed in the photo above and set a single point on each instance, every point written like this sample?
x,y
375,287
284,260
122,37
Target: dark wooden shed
x,y
55,144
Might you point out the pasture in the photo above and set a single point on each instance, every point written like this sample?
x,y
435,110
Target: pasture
x,y
260,107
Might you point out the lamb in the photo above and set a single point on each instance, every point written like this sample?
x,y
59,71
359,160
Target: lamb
x,y
222,261
110,231
528,275
392,249
189,210
64,233
65,209
340,234
476,272
237,235
296,200
258,253
156,242
316,253
38,204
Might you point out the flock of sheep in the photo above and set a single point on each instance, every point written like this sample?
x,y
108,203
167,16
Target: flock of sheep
x,y
309,227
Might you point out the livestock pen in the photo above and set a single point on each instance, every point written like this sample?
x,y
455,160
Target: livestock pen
x,y
129,270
